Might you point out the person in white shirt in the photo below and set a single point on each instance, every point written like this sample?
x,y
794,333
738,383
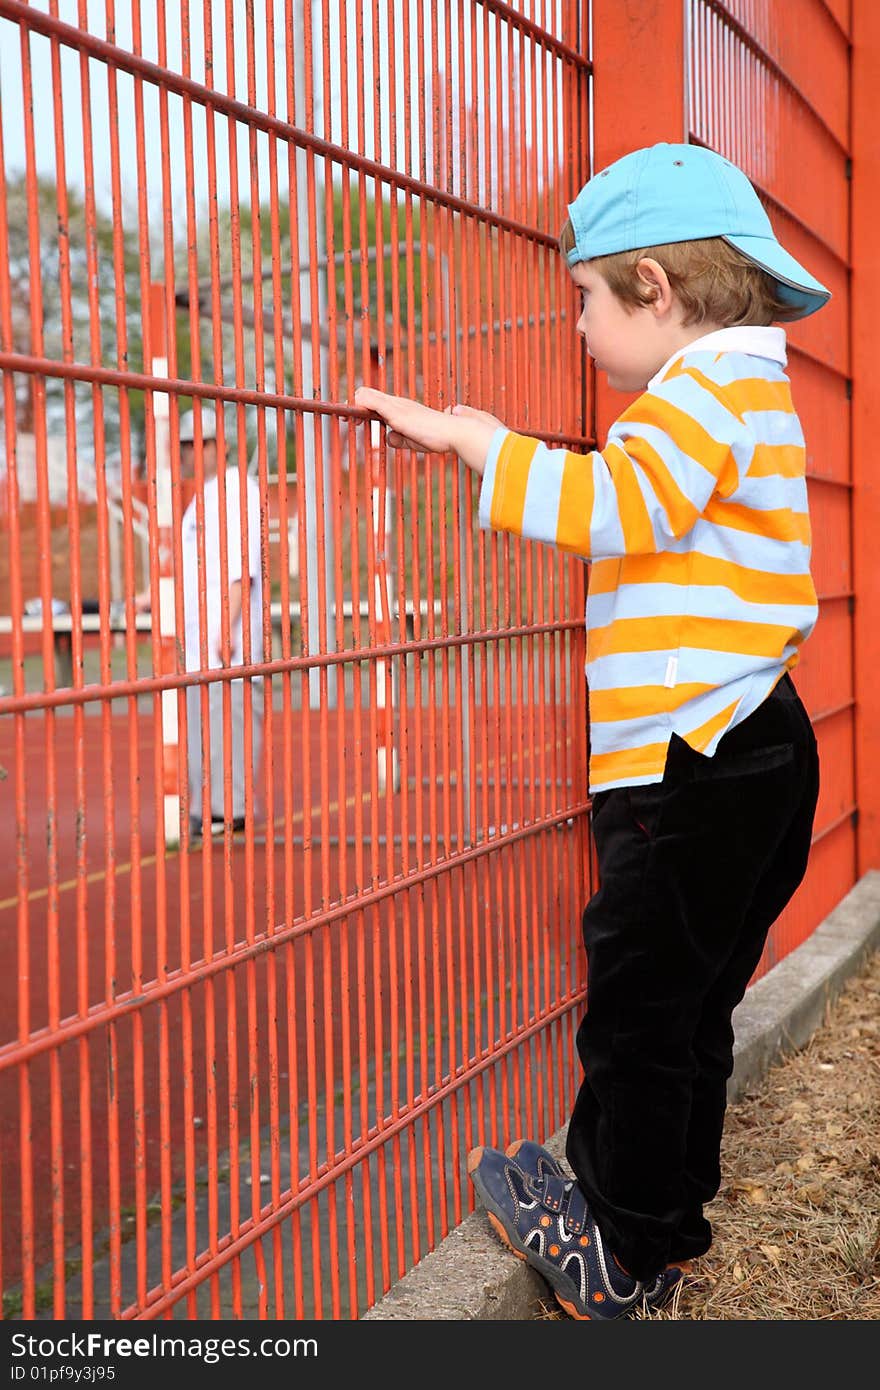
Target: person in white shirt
x,y
242,549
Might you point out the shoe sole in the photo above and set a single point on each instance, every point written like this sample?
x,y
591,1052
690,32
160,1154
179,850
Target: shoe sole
x,y
554,1277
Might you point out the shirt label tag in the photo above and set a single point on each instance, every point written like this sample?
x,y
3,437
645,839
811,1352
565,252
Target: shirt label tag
x,y
671,672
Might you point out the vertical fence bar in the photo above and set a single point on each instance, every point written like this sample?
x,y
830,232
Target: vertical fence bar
x,y
865,308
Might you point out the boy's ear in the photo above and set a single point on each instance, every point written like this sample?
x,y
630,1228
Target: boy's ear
x,y
655,283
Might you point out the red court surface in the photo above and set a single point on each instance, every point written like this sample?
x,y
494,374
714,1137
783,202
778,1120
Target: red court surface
x,y
152,1093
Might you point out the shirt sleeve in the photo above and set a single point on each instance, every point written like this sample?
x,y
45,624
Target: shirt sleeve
x,y
664,458
234,531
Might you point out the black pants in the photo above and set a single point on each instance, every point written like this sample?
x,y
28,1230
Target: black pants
x,y
693,872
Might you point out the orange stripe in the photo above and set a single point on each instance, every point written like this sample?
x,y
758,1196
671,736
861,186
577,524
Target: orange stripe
x,y
685,432
701,737
723,394
670,633
780,524
755,586
679,509
752,393
511,479
576,504
745,394
628,762
638,533
778,460
632,702
604,573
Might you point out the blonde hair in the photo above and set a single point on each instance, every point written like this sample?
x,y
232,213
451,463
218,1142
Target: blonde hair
x,y
711,280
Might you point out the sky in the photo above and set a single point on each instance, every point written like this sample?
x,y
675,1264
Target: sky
x,y
449,37
234,81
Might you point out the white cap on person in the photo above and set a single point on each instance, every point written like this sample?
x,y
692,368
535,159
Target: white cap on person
x,y
187,432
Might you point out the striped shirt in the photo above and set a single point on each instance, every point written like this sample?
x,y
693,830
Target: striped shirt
x,y
694,519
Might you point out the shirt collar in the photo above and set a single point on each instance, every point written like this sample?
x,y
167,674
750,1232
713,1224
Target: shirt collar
x,y
756,340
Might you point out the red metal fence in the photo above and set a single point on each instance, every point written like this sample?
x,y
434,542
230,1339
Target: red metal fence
x,y
239,1074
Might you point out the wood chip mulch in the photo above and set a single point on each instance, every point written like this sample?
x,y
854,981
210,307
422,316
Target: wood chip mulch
x,y
797,1220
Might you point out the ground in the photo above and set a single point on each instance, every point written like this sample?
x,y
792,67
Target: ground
x,y
797,1220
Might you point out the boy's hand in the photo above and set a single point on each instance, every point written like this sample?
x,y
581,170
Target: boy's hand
x,y
411,424
416,426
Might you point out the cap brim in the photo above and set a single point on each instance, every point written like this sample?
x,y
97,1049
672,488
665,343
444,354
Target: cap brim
x,y
797,286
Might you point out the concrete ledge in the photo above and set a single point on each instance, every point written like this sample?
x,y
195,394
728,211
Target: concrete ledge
x,y
470,1276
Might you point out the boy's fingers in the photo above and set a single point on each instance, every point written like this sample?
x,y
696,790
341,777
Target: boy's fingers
x,y
368,398
474,413
400,441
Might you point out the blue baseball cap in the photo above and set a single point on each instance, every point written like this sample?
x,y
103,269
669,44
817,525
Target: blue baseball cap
x,y
667,193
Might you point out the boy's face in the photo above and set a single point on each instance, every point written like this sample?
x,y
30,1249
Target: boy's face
x,y
627,344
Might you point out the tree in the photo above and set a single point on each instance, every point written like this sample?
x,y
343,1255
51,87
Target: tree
x,y
51,231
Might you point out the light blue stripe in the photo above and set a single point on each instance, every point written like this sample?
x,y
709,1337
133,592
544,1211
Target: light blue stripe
x,y
629,669
733,366
770,493
620,735
744,548
606,532
774,427
487,486
689,396
543,490
626,670
723,668
698,601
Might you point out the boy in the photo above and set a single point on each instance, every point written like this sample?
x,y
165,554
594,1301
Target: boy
x,y
703,765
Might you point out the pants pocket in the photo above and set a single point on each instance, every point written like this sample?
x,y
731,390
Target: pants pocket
x,y
745,764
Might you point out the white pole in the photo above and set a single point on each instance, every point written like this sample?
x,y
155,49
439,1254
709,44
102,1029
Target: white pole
x,y
312,251
383,543
164,521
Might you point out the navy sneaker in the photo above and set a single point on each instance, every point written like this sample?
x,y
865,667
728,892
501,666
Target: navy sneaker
x,y
663,1287
545,1221
534,1159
